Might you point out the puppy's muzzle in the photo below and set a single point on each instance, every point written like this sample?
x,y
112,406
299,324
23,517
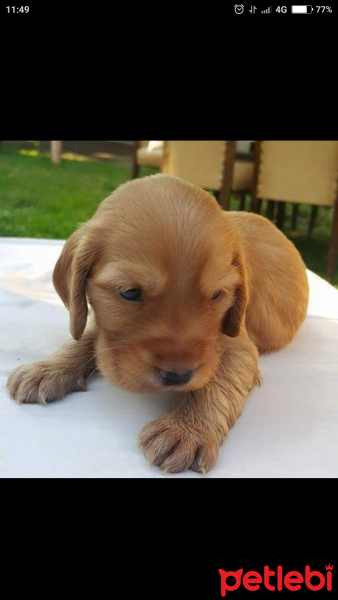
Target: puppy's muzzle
x,y
171,378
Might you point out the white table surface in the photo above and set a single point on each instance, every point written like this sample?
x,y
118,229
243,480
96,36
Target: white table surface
x,y
289,427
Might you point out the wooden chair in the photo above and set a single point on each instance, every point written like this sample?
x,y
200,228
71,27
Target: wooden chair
x,y
210,165
300,172
146,154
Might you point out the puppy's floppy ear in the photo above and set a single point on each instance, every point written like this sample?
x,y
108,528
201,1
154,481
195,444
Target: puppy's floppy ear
x,y
235,316
69,278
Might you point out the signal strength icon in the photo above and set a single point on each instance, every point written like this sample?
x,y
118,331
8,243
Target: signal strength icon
x,y
267,11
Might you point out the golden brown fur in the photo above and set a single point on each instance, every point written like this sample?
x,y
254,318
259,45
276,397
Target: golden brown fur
x,y
171,239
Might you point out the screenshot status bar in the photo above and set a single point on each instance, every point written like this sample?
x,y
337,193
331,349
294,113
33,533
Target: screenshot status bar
x,y
295,9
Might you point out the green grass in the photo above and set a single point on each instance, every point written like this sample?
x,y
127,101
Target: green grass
x,y
42,200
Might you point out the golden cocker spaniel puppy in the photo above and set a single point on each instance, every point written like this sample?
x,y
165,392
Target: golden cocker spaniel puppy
x,y
184,296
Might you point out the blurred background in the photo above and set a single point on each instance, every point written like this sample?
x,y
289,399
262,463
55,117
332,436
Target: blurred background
x,y
48,187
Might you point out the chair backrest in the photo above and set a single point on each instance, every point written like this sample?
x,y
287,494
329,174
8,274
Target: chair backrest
x,y
150,145
201,163
303,172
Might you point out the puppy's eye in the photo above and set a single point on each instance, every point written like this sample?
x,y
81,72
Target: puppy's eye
x,y
216,295
133,295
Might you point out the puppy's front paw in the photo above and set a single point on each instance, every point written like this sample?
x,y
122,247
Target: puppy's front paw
x,y
41,382
174,446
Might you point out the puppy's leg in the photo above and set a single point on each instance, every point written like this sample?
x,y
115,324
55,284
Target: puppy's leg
x,y
190,436
61,373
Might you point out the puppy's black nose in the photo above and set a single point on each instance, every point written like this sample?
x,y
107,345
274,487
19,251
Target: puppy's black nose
x,y
170,378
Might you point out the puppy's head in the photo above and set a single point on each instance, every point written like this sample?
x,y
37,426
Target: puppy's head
x,y
161,265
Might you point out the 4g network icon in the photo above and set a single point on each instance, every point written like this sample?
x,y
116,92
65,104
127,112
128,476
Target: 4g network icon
x,y
293,580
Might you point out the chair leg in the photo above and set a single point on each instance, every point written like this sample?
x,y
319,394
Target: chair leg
x,y
294,217
280,215
333,248
224,197
270,211
314,212
135,168
136,171
256,204
242,201
228,167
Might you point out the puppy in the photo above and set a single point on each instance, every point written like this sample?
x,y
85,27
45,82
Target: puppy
x,y
184,296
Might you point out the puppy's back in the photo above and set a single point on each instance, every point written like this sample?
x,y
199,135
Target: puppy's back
x,y
277,281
